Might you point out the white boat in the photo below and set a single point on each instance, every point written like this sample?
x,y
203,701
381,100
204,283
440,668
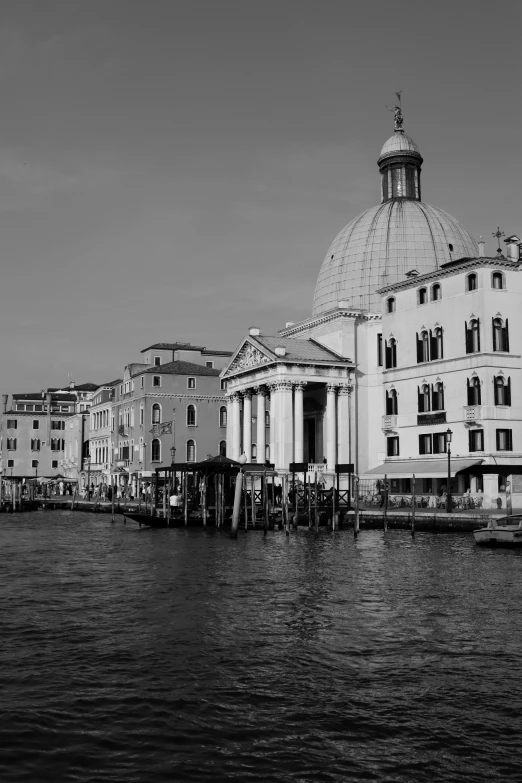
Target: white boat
x,y
496,534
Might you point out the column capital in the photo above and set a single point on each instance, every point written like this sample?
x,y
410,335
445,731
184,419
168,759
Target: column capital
x,y
261,391
299,385
234,397
281,386
331,388
345,388
247,393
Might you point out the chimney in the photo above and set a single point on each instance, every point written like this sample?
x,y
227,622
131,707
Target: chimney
x,y
5,397
254,331
513,245
71,385
481,245
280,351
289,324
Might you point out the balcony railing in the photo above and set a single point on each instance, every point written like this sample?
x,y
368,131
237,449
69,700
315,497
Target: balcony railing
x,y
389,422
472,413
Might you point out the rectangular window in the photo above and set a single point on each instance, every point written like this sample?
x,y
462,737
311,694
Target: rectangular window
x,y
504,440
379,350
210,365
157,361
142,381
54,463
57,425
141,414
425,444
191,383
156,380
392,446
37,408
36,424
10,463
12,424
476,440
439,442
34,463
29,407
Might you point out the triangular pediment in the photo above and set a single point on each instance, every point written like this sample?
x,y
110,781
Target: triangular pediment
x,y
248,356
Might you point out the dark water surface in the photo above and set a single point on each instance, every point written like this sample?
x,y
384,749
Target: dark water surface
x,y
132,654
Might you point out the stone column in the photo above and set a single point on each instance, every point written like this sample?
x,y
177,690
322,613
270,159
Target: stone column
x,y
236,426
343,423
298,422
273,435
247,424
228,400
285,428
331,427
261,429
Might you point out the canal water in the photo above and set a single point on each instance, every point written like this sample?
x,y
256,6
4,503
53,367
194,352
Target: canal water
x,y
131,654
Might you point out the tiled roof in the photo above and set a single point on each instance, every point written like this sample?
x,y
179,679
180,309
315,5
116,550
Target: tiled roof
x,y
299,350
39,396
76,387
183,368
174,347
208,352
110,384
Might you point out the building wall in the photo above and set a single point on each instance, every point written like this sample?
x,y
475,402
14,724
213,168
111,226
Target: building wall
x,y
18,462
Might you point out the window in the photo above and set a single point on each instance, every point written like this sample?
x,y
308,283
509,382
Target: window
x,y
141,414
390,304
391,353
37,408
267,418
156,450
191,383
191,450
423,397
57,425
157,361
379,350
223,416
36,424
422,296
497,281
156,413
191,416
423,347
437,397
223,385
439,443
12,424
436,292
392,446
142,381
11,444
56,444
474,391
210,365
476,440
424,444
472,335
450,247
391,403
222,448
436,344
34,463
54,463
500,335
10,463
267,453
254,452
504,440
502,390
471,282
35,444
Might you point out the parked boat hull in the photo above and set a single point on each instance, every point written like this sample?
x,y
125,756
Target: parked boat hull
x,y
501,535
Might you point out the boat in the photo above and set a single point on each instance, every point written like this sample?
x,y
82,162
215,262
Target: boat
x,y
496,534
146,519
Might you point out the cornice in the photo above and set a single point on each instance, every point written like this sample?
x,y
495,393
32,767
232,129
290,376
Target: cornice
x,y
449,271
327,317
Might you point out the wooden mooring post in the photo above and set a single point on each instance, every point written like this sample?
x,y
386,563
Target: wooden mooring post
x,y
284,504
316,515
264,495
386,494
308,495
237,504
356,509
413,499
245,503
253,499
204,499
185,498
113,494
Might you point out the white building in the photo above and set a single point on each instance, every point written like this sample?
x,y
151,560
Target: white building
x,y
343,383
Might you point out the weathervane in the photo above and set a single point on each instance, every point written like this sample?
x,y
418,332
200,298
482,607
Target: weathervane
x,y
397,110
498,233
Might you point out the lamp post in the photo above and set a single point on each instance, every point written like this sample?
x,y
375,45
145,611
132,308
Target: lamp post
x,y
448,448
88,461
35,476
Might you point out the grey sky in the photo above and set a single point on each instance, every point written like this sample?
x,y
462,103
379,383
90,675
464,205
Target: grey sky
x,y
177,170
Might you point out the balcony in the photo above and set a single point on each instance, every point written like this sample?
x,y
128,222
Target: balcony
x,y
389,422
472,414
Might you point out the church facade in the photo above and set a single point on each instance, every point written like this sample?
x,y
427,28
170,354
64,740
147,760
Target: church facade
x,y
413,332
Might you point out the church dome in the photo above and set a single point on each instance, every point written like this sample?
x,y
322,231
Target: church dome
x,y
385,242
381,245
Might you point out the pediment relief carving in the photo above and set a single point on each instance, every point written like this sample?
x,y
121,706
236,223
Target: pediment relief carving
x,y
249,356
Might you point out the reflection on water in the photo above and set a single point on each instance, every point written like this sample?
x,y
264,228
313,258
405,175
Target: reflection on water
x,y
151,655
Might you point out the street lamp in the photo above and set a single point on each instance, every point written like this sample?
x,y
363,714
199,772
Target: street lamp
x,y
172,455
35,476
87,460
448,448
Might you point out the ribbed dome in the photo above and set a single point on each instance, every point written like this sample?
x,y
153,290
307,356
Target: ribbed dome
x,y
381,245
398,143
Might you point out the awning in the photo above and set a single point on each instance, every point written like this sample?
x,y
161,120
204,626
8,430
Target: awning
x,y
423,468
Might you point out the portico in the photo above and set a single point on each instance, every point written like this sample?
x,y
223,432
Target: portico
x,y
305,387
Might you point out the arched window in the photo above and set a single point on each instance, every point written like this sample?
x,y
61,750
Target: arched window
x,y
471,282
423,398
422,296
474,391
390,304
191,450
267,418
35,444
500,335
472,331
391,353
502,390
156,413
436,347
391,403
223,416
437,397
156,450
222,448
497,280
267,452
436,292
423,347
191,416
254,452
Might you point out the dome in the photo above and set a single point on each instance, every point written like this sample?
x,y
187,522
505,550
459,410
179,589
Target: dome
x,y
381,245
399,143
